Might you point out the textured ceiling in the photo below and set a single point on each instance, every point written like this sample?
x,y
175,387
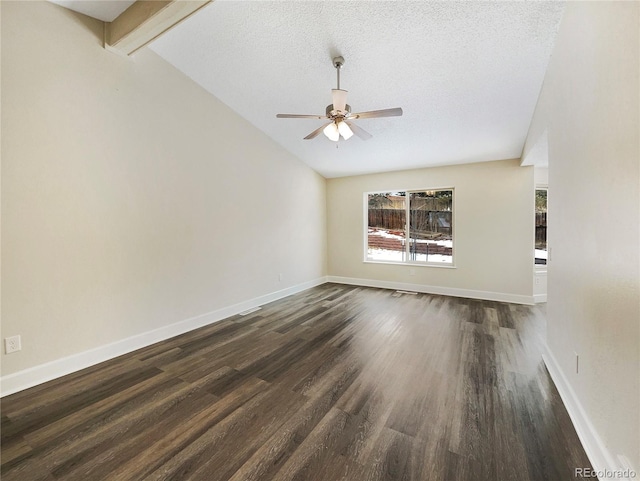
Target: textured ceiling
x,y
467,74
105,10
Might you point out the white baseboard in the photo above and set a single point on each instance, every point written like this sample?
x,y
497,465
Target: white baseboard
x,y
27,378
538,298
602,460
444,291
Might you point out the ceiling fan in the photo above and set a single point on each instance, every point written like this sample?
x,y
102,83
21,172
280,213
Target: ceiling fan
x,y
340,116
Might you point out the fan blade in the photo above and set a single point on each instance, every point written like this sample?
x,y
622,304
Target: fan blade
x,y
297,116
316,132
339,99
359,131
372,114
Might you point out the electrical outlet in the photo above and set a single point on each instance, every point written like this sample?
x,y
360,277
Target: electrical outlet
x,y
280,277
537,280
12,344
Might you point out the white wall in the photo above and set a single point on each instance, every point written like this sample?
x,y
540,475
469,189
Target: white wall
x,y
589,106
493,211
131,198
541,176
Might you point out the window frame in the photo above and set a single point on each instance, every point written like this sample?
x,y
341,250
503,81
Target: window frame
x,y
407,262
540,268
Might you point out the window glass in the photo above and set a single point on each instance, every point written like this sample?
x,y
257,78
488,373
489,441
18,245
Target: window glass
x,y
415,227
386,229
541,227
430,226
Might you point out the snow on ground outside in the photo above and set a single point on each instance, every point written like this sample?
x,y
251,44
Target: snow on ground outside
x,y
397,256
381,233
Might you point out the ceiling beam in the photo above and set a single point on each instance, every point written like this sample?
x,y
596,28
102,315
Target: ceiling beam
x,y
146,20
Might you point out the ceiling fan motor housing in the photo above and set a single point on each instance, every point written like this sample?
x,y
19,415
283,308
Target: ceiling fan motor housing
x,y
337,114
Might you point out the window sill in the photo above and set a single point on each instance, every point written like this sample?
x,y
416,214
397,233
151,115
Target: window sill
x,y
411,264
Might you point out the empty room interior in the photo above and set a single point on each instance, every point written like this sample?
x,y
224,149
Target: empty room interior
x,y
317,240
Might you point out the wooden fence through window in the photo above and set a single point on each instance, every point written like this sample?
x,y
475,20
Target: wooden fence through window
x,y
427,222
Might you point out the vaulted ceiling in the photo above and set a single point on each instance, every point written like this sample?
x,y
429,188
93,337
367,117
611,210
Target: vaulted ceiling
x,y
467,74
105,10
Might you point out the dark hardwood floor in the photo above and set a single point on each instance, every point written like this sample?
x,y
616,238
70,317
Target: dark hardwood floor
x,y
335,383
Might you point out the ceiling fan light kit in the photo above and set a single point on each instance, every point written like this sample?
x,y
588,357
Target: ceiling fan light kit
x,y
332,132
340,116
344,130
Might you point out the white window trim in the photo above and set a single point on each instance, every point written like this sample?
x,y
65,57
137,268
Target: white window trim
x,y
365,234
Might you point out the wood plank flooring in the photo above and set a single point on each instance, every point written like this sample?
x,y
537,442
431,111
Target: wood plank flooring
x,y
335,383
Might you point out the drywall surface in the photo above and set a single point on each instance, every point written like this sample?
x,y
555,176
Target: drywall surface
x,y
132,198
493,227
589,106
541,176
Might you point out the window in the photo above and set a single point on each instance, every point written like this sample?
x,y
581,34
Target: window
x,y
410,227
541,227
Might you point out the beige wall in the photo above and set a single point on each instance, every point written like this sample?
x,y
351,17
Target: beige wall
x,y
589,106
541,176
493,227
131,198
